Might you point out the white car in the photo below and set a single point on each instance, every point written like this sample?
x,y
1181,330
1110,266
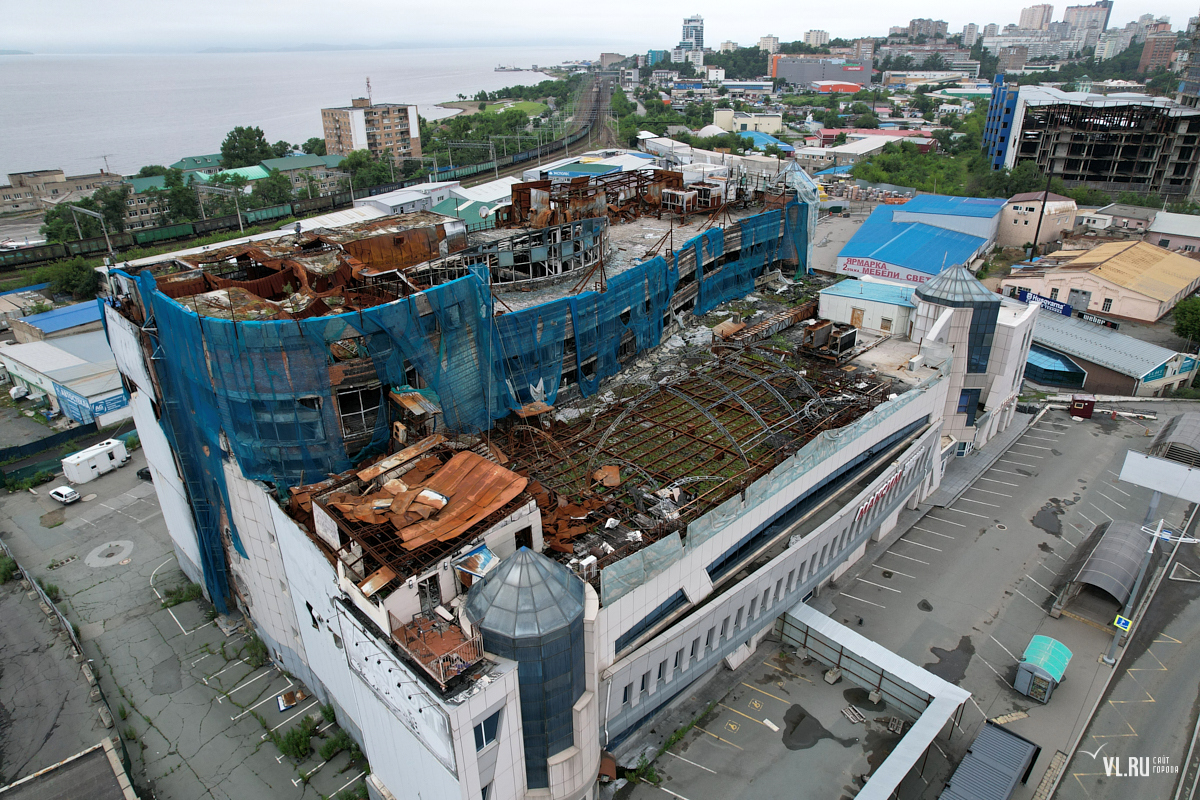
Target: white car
x,y
65,495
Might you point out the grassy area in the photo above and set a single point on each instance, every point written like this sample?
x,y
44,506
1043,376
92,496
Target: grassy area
x,y
530,108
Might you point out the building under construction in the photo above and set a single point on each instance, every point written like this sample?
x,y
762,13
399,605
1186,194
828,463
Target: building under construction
x,y
498,497
1115,143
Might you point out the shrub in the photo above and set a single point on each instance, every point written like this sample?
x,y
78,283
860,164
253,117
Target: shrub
x,y
337,743
8,568
297,742
50,589
327,713
182,594
255,652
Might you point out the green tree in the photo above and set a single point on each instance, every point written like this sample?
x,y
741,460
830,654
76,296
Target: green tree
x,y
1187,319
935,62
151,170
272,190
245,147
182,203
366,171
58,225
282,148
314,146
72,277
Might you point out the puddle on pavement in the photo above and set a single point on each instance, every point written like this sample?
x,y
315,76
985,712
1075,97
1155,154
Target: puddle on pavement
x,y
951,665
802,730
861,698
1048,517
879,745
925,605
1045,548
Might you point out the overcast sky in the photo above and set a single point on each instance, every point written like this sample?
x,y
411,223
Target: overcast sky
x,y
62,26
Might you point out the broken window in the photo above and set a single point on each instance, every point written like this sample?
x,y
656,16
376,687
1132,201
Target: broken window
x,y
358,410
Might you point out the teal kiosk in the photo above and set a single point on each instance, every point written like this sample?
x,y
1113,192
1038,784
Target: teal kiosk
x,y
1041,668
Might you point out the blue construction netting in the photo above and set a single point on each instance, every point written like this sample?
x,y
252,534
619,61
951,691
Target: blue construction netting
x,y
262,390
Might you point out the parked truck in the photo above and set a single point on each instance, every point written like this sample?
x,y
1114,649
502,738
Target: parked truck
x,y
89,464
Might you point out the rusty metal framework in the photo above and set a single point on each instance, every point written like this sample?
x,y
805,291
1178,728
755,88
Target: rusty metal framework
x,y
622,196
714,430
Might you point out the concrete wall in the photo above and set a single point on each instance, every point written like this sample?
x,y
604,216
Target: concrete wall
x,y
1125,303
1018,226
841,309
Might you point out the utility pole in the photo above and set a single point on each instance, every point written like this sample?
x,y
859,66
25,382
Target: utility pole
x,y
1041,214
97,215
227,192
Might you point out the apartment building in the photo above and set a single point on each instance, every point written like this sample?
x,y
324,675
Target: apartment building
x,y
769,44
315,175
381,128
930,28
39,189
1157,52
816,38
1036,18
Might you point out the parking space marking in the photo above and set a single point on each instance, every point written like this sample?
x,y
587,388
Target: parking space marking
x,y
1114,486
1002,647
968,513
768,694
993,669
726,741
980,502
1052,572
352,780
1052,433
1044,589
241,686
1006,483
894,572
947,521
910,558
1033,446
935,533
1006,472
264,700
781,669
693,763
1026,455
1114,502
918,544
1101,510
740,714
859,599
1027,597
668,791
879,586
1086,517
989,491
292,717
1056,555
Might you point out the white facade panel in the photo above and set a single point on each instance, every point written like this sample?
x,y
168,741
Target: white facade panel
x,y
125,341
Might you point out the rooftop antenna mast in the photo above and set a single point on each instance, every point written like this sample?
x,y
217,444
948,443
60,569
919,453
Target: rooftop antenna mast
x,y
369,100
105,157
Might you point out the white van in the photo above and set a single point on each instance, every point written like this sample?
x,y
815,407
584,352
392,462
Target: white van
x,y
89,464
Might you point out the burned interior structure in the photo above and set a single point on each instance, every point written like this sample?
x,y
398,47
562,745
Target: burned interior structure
x,y
437,474
1115,143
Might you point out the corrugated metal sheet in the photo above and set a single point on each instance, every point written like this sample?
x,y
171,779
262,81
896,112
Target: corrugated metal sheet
x,y
868,290
1141,267
955,206
66,317
993,767
1098,344
1114,564
912,245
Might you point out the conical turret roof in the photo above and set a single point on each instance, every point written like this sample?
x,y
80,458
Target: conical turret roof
x,y
956,287
526,595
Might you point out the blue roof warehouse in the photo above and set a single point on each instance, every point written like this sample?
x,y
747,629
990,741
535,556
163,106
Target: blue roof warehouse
x,y
914,242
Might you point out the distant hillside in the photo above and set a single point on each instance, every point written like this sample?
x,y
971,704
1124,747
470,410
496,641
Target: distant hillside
x,y
312,47
15,53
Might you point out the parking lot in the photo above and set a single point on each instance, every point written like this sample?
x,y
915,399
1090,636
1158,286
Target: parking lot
x,y
199,704
781,727
960,593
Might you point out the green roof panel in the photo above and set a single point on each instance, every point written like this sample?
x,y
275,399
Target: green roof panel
x,y
293,162
1049,654
198,162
